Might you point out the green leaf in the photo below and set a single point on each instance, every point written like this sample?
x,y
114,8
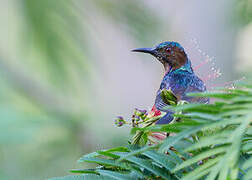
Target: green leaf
x,y
175,156
242,99
115,175
93,154
201,156
219,135
171,128
205,108
170,141
108,154
202,116
217,95
118,149
228,165
235,112
137,151
168,97
248,175
163,159
224,122
149,166
81,177
247,146
104,162
84,171
103,152
217,138
247,164
249,130
202,170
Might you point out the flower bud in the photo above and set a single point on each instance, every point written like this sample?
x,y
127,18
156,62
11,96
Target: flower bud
x,y
143,111
137,118
144,116
139,112
119,121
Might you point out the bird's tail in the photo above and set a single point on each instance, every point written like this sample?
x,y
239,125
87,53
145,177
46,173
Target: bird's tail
x,y
166,119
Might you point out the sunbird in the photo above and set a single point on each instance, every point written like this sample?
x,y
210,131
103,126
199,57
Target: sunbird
x,y
179,78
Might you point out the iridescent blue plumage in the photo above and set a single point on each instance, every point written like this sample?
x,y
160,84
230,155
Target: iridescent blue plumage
x,y
180,81
179,76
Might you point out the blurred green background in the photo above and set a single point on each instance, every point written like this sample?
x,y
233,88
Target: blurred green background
x,y
66,70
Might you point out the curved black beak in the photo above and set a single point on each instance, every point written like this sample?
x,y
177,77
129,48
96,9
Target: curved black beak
x,y
145,50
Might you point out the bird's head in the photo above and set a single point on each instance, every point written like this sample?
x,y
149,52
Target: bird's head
x,y
170,54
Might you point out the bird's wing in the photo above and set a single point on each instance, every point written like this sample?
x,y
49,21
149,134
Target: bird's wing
x,y
180,86
176,84
196,85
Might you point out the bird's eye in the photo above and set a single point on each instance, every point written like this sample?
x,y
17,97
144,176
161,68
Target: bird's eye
x,y
168,50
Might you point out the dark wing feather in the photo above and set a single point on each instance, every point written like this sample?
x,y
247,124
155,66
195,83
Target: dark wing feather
x,y
181,84
196,85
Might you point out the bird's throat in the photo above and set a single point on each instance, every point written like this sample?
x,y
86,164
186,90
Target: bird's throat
x,y
171,68
167,67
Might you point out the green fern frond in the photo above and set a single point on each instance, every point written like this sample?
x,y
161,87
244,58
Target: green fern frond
x,y
212,141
